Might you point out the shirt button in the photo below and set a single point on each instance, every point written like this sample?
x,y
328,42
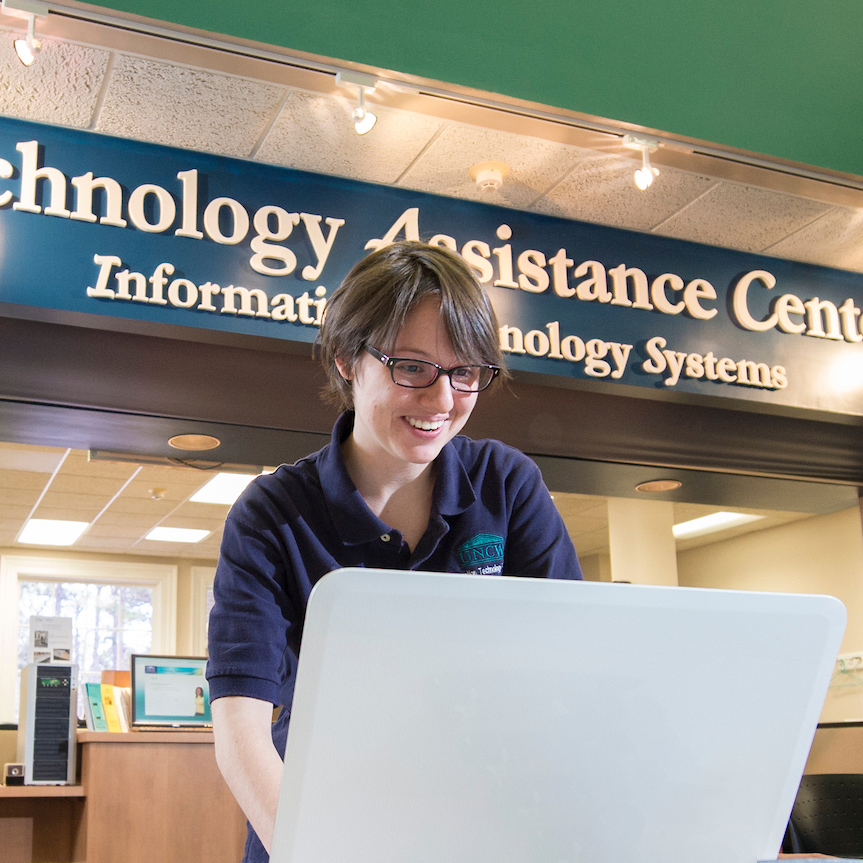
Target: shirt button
x,y
386,538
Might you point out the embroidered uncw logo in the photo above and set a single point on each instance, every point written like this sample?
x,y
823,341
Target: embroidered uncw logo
x,y
482,555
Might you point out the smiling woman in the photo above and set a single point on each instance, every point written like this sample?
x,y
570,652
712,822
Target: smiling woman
x,y
409,340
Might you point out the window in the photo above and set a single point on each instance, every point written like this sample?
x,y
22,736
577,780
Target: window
x,y
117,608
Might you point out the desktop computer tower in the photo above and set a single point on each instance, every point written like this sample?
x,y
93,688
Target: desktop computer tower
x,y
47,723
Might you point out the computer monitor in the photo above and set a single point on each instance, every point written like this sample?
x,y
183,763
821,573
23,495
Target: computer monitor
x,y
170,692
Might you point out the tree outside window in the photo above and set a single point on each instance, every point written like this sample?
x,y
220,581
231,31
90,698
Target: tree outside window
x,y
116,608
109,622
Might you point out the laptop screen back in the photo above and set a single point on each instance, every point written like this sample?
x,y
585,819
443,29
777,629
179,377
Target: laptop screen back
x,y
500,720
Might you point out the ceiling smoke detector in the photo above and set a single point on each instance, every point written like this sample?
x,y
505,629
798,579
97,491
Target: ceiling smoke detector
x,y
489,176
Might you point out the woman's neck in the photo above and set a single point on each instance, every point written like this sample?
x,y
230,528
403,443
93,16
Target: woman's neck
x,y
400,498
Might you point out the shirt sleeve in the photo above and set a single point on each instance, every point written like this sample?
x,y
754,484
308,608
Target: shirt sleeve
x,y
538,543
253,612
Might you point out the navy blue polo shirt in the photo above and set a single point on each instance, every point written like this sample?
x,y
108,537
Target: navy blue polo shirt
x,y
491,514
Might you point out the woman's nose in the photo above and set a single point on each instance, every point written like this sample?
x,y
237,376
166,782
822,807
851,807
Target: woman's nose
x,y
440,394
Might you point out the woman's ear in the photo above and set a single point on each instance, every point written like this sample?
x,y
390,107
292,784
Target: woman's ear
x,y
345,370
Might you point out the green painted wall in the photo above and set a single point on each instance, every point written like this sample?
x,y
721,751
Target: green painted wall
x,y
779,77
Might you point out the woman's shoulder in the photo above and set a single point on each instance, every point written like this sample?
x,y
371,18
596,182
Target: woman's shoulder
x,y
287,482
492,453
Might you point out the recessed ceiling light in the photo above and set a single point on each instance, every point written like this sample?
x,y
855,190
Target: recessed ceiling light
x,y
177,534
49,531
223,488
655,485
711,523
194,442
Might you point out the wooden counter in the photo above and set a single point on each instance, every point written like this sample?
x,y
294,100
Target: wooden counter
x,y
144,797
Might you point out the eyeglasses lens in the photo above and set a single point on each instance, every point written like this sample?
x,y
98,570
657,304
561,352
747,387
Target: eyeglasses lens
x,y
418,373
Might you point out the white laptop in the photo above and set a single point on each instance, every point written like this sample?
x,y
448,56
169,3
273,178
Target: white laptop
x,y
446,718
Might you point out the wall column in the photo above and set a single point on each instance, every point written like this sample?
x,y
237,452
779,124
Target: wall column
x,y
642,544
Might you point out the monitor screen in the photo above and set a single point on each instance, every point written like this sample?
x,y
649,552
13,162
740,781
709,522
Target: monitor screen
x,y
170,691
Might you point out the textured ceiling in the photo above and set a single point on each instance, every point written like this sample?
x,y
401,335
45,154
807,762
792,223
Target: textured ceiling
x,y
97,78
113,81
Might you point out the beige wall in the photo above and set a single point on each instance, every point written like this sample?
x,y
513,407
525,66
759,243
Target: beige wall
x,y
822,554
8,747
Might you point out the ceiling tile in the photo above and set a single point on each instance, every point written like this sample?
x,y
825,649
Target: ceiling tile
x,y
34,459
19,496
88,485
102,544
601,189
58,513
12,513
78,464
192,523
316,133
183,107
168,486
89,506
202,511
145,508
62,88
129,531
175,549
741,217
535,165
834,240
22,480
571,504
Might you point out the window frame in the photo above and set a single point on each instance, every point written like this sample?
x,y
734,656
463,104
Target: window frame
x,y
160,577
202,578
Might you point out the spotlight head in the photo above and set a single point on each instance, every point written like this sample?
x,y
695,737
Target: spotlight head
x,y
644,177
364,121
27,49
646,174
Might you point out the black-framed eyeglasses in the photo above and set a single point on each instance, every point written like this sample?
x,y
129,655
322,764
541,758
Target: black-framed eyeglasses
x,y
419,374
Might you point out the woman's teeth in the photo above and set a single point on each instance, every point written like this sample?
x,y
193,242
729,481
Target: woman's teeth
x,y
425,425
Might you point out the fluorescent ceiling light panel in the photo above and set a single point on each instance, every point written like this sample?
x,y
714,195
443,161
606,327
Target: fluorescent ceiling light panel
x,y
711,523
223,488
177,534
49,531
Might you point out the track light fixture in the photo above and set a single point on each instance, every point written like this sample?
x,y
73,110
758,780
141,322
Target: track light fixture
x,y
364,120
28,47
646,174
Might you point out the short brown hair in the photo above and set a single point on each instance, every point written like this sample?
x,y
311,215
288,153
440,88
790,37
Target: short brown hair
x,y
371,304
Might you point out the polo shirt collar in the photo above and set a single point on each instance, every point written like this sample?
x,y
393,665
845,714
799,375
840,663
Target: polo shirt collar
x,y
354,521
453,491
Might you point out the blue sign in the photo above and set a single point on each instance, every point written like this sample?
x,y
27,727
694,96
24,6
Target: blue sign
x,y
125,229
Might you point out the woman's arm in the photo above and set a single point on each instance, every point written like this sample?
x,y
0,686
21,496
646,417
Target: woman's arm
x,y
248,760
